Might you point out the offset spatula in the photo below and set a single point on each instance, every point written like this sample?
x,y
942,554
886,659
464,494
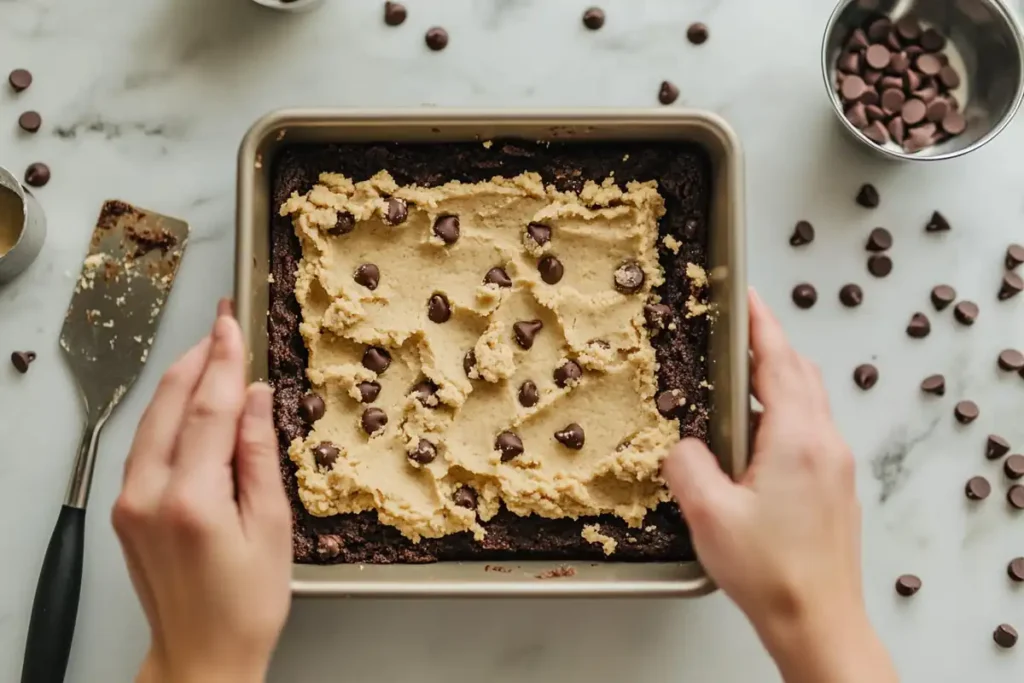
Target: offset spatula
x,y
108,331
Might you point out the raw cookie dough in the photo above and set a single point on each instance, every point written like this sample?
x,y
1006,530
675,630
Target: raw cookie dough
x,y
584,317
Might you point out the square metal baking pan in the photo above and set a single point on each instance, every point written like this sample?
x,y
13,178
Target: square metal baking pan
x,y
727,353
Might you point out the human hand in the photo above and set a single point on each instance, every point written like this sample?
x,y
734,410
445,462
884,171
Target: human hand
x,y
203,518
784,541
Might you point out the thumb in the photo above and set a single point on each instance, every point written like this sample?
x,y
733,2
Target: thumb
x,y
703,490
261,498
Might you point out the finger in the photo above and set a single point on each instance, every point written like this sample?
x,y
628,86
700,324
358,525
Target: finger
x,y
773,359
261,498
703,490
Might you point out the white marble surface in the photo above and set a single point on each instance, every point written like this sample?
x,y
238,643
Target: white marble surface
x,y
147,101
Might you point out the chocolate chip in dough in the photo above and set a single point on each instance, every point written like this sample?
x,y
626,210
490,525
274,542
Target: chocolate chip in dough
x,y
22,359
593,18
328,546
942,296
805,295
1005,636
568,373
498,276
37,174
879,265
424,453
670,402
996,447
658,316
908,585
30,121
697,33
938,223
1014,466
539,233
1011,287
367,275
1015,496
376,359
803,233
344,224
525,331
880,239
469,362
1014,256
1011,360
966,412
978,488
571,437
1015,570
629,278
325,453
851,295
20,79
865,376
509,445
529,396
551,270
394,13
966,312
919,326
868,197
668,92
397,211
465,497
934,384
368,391
436,38
374,419
426,393
438,309
447,228
311,408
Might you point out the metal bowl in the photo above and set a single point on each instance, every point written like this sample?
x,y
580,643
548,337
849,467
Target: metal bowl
x,y
985,42
289,5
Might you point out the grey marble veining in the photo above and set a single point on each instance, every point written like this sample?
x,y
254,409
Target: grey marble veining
x,y
148,100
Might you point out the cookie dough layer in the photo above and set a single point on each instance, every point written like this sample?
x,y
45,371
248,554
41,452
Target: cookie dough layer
x,y
585,318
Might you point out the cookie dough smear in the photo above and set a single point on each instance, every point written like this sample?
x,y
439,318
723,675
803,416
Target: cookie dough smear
x,y
472,345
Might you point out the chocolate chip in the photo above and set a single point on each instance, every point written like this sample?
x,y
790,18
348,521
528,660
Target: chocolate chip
x,y
551,270
424,453
1014,256
1011,360
893,100
426,393
851,295
937,110
857,115
345,223
670,402
394,13
668,92
875,114
966,312
367,275
498,276
954,123
978,488
1015,570
949,78
37,174
938,223
898,65
913,111
1015,496
868,196
897,130
908,585
374,419
929,64
911,81
932,40
690,229
539,233
1011,287
877,133
879,265
880,239
942,296
568,373
529,396
849,62
468,362
858,40
525,331
934,384
919,327
328,546
853,88
311,408
1014,466
436,38
891,82
509,445
870,94
368,391
438,309
629,278
658,316
376,359
30,121
22,359
447,228
877,56
20,79
593,18
1005,636
571,437
803,234
996,447
697,33
878,30
804,295
927,93
865,376
397,212
465,497
325,453
908,29
966,412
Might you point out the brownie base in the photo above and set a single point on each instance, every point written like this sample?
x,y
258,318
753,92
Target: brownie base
x,y
683,175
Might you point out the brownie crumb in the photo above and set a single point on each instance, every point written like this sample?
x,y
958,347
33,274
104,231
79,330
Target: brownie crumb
x,y
562,572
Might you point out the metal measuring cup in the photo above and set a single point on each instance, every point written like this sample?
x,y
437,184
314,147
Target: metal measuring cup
x,y
23,219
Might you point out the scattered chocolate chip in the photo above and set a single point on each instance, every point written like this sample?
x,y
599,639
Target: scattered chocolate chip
x,y
919,326
851,295
345,223
551,270
525,331
908,585
30,121
436,38
447,228
498,276
469,361
1011,360
22,359
1014,256
539,233
438,309
658,316
879,265
465,497
397,212
868,196
942,296
424,453
996,447
966,312
803,234
20,79
1014,466
877,56
697,33
529,396
966,412
805,295
394,13
1015,570
571,437
1015,496
880,239
865,376
568,373
368,391
376,359
1005,636
938,223
374,419
325,453
509,445
629,278
367,275
670,402
426,393
37,174
932,40
978,488
934,384
328,546
311,408
593,18
668,92
1011,287
954,123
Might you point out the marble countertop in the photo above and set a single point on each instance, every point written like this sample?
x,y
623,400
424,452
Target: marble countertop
x,y
147,101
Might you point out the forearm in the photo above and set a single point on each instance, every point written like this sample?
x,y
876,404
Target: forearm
x,y
153,670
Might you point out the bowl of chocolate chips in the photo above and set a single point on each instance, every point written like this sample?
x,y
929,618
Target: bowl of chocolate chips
x,y
923,80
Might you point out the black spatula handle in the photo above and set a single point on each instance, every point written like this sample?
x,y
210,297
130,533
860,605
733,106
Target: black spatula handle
x,y
56,603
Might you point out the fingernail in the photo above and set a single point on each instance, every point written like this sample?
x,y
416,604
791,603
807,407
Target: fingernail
x,y
225,307
260,400
221,328
754,295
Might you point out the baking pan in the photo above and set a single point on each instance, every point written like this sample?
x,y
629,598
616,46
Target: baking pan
x,y
727,353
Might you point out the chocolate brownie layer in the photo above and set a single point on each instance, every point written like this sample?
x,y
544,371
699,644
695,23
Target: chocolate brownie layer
x,y
682,172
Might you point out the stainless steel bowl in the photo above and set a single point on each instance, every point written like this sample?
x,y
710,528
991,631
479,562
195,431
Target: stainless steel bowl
x,y
985,42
